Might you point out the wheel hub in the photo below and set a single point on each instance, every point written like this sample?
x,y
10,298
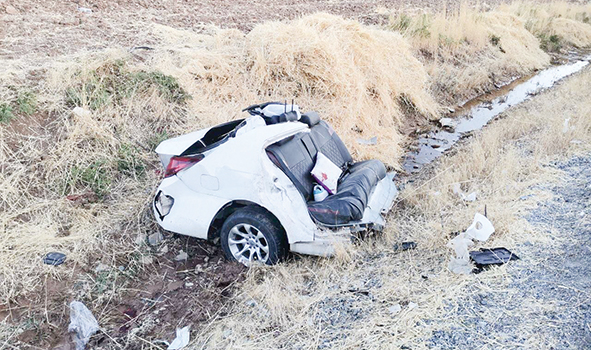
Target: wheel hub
x,y
247,244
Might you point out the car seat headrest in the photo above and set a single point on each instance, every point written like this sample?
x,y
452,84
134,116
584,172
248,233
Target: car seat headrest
x,y
310,118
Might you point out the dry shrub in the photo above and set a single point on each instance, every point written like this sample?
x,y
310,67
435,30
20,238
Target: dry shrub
x,y
561,23
79,184
466,52
356,76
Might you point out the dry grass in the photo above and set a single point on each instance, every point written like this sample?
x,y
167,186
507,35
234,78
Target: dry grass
x,y
561,23
345,303
466,52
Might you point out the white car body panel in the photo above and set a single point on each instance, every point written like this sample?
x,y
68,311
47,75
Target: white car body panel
x,y
247,174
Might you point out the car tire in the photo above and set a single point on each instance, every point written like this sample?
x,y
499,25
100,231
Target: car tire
x,y
252,234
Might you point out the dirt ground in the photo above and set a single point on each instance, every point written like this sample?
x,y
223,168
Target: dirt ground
x,y
49,28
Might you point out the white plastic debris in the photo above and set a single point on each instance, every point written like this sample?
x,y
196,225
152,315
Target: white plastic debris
x,y
460,246
83,323
181,256
101,267
565,126
84,10
81,112
395,309
481,228
460,266
469,197
465,197
412,305
181,340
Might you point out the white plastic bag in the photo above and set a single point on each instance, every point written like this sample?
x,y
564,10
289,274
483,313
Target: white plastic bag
x,y
83,323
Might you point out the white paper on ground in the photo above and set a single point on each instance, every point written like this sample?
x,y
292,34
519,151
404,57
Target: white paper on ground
x,y
181,340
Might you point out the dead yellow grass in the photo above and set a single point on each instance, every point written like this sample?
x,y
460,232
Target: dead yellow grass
x,y
468,51
309,302
357,77
570,22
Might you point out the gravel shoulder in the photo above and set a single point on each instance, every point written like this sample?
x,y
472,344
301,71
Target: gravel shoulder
x,y
544,300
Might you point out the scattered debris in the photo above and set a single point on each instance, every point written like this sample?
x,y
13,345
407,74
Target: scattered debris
x,y
181,340
181,256
495,256
394,309
481,229
54,258
412,305
146,259
83,323
565,127
141,48
101,267
405,246
84,10
370,141
465,197
155,238
81,112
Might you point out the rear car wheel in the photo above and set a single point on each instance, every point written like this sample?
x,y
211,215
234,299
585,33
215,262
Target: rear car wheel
x,y
251,234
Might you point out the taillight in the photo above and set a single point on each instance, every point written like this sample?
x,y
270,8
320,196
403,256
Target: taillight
x,y
177,164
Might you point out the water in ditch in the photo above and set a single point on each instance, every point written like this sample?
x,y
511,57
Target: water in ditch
x,y
475,114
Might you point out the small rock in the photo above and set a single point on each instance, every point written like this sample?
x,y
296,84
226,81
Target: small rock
x,y
446,123
412,305
227,333
181,256
121,268
394,309
155,238
101,267
189,284
251,303
84,10
164,249
11,10
146,259
141,238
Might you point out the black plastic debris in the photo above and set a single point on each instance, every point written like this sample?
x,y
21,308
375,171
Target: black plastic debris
x,y
54,258
405,246
496,256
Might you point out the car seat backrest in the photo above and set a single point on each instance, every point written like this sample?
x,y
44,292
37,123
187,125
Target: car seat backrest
x,y
296,157
330,144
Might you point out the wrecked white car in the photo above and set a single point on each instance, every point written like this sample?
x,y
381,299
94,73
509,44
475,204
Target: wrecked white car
x,y
248,182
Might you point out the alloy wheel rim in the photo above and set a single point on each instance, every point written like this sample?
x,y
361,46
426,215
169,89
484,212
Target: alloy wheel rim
x,y
248,244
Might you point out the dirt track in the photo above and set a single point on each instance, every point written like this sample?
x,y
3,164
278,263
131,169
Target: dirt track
x,y
52,28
